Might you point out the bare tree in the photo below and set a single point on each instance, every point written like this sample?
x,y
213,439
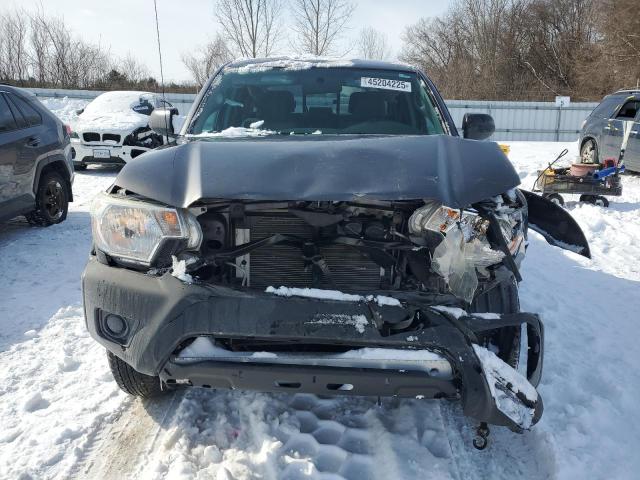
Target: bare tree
x,y
319,24
373,44
133,69
620,46
204,62
13,57
250,27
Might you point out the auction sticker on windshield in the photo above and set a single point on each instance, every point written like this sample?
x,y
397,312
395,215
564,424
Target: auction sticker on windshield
x,y
385,83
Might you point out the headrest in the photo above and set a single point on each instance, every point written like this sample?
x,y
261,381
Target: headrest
x,y
276,103
367,104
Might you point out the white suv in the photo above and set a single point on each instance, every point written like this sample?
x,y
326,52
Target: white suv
x,y
114,128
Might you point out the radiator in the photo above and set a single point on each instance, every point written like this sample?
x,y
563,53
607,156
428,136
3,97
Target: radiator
x,y
283,265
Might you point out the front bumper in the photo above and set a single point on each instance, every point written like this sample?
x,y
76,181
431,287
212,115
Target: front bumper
x,y
162,312
82,153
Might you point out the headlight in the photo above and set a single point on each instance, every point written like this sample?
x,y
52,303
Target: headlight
x,y
141,232
434,217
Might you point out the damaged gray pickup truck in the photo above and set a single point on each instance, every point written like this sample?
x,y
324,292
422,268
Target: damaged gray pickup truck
x,y
320,226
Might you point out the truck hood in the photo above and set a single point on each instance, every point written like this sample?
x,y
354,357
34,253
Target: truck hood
x,y
451,170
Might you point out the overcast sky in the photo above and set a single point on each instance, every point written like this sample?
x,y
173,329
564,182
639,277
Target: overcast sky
x,y
129,25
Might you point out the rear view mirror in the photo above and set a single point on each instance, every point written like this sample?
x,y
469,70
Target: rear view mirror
x,y
478,126
161,121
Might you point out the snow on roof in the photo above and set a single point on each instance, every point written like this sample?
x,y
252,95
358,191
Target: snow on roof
x,y
305,62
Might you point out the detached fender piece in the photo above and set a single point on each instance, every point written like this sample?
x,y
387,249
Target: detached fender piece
x,y
556,225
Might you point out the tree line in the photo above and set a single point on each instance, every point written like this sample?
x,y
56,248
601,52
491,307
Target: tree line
x,y
39,50
529,49
478,49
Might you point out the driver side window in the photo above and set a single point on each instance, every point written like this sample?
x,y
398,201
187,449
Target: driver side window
x,y
629,110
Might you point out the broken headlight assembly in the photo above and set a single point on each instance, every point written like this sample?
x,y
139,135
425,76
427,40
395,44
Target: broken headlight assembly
x,y
142,233
463,252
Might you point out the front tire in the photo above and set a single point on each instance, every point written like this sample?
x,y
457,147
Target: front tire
x,y
132,382
52,200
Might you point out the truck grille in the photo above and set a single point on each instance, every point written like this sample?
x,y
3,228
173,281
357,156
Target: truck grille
x,y
283,265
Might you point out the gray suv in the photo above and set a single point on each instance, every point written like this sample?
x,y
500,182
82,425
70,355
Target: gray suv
x,y
602,132
36,172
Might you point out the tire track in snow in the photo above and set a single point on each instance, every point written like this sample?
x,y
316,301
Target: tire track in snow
x,y
117,449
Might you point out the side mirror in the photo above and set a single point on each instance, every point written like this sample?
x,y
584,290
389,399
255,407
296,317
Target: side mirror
x,y
478,126
161,121
79,111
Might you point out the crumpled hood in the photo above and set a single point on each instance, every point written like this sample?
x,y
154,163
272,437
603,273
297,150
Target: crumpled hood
x,y
451,170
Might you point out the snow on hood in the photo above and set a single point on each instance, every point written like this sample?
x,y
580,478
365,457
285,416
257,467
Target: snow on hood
x,y
112,112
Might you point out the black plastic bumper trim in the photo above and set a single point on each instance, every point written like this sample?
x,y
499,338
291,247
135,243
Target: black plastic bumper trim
x,y
308,379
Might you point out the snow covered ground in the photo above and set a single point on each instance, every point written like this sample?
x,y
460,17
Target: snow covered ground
x,y
63,416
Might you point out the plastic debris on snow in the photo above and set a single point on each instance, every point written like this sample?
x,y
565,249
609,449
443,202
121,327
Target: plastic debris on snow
x,y
498,372
332,295
179,270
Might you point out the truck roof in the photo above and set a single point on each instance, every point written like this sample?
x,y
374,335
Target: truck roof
x,y
302,62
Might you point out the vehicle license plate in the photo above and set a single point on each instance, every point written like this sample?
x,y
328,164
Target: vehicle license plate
x,y
101,153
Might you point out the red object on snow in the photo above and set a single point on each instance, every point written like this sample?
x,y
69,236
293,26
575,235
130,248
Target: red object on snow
x,y
609,162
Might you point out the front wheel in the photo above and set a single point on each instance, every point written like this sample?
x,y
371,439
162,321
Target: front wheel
x,y
597,200
131,381
52,200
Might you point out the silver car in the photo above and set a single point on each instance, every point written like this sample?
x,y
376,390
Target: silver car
x,y
602,132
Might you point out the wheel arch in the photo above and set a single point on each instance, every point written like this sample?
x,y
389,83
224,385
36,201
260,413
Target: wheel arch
x,y
54,163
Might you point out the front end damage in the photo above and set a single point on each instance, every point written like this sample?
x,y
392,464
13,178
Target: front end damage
x,y
347,298
112,147
346,265
263,341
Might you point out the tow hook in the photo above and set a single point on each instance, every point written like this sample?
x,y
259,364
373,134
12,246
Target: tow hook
x,y
481,440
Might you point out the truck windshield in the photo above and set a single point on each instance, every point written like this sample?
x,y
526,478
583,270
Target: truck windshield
x,y
318,100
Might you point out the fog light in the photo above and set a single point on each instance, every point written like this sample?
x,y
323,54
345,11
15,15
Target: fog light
x,y
115,326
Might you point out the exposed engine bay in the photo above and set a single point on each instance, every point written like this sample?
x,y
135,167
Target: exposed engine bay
x,y
358,246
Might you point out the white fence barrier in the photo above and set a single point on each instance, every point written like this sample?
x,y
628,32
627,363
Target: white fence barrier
x,y
527,121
